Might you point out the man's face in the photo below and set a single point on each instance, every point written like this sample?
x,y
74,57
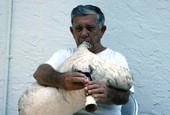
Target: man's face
x,y
86,28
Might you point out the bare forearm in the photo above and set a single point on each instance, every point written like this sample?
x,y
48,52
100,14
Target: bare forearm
x,y
117,96
46,75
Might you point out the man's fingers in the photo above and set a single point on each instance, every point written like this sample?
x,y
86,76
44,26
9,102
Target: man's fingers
x,y
77,74
98,90
100,96
78,80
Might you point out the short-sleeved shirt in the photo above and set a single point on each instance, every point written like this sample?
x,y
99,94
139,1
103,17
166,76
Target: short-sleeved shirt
x,y
113,57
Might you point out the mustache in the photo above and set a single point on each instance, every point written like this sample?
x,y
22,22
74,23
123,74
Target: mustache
x,y
86,40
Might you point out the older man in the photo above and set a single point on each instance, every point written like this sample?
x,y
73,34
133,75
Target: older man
x,y
87,25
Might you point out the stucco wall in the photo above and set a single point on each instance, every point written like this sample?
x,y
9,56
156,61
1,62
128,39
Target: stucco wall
x,y
4,10
138,29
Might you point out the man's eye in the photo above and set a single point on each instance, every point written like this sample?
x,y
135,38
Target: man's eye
x,y
90,28
78,28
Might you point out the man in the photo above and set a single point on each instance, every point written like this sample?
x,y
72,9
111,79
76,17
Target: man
x,y
87,25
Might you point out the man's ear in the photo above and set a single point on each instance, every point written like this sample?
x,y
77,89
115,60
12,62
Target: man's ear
x,y
103,29
71,30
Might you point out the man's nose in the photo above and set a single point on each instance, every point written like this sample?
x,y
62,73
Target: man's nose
x,y
85,33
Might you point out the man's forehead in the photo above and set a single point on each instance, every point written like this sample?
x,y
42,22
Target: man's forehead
x,y
85,19
79,25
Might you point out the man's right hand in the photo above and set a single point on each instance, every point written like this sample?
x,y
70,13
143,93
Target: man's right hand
x,y
72,81
46,75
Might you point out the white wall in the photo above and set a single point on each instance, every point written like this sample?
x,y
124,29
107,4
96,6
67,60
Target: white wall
x,y
4,46
138,29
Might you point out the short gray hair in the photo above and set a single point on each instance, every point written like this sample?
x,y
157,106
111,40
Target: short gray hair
x,y
81,10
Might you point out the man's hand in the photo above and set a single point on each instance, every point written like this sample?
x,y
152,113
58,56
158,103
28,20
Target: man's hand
x,y
46,75
72,81
100,90
97,89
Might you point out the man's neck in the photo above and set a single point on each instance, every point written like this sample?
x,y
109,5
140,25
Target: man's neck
x,y
98,49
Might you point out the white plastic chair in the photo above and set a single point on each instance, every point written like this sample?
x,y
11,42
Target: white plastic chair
x,y
131,108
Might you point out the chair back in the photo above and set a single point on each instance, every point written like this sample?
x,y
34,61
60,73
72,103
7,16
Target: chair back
x,y
131,108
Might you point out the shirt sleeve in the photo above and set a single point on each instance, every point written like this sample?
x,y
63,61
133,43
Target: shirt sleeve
x,y
57,58
121,60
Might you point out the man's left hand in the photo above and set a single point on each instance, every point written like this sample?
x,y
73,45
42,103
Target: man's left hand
x,y
97,89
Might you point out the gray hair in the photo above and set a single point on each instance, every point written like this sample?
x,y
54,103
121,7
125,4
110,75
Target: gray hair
x,y
81,10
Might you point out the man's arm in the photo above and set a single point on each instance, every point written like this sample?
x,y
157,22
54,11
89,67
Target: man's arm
x,y
118,96
100,90
48,76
